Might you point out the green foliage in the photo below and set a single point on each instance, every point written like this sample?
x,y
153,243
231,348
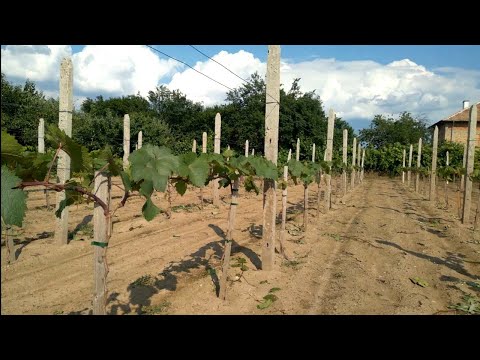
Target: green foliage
x,y
404,130
470,305
21,109
149,209
168,118
388,159
11,149
116,106
26,164
156,309
13,201
240,263
155,164
80,159
194,168
268,299
301,116
307,172
145,280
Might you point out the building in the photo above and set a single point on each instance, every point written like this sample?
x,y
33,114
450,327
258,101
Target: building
x,y
455,127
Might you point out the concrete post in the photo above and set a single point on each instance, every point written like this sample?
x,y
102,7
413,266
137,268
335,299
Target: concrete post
x,y
472,132
272,109
434,165
126,140
41,136
63,164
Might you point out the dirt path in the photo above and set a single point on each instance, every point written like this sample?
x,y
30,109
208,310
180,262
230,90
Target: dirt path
x,y
356,259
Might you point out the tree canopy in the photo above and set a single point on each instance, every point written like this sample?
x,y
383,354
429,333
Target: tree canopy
x,y
404,130
168,117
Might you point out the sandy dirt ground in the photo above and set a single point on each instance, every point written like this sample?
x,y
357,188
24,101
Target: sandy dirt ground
x,y
358,258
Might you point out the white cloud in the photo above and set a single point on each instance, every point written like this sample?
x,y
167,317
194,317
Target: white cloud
x,y
201,89
361,89
355,89
110,70
119,69
34,62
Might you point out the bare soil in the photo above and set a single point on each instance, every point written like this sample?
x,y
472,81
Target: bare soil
x,y
362,257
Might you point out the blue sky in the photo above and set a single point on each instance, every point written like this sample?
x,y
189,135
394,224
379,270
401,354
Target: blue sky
x,y
357,81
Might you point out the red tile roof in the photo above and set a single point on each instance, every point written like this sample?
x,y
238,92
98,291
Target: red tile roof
x,y
462,115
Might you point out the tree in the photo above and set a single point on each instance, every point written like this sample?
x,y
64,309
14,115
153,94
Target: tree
x,y
95,132
301,116
21,109
182,115
405,130
117,106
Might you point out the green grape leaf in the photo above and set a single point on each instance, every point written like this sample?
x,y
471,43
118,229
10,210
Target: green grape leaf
x,y
181,187
106,154
155,164
282,184
271,297
79,157
240,164
264,168
11,150
250,185
295,168
63,204
149,210
146,188
264,304
33,166
127,182
195,168
228,153
13,202
223,183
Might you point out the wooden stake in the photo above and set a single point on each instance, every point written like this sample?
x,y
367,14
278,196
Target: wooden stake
x,y
409,173
344,158
10,245
305,207
126,140
362,165
218,129
63,164
140,140
419,160
472,131
284,212
354,153
204,150
100,226
272,109
329,153
403,164
433,172
464,165
446,183
359,152
229,240
297,156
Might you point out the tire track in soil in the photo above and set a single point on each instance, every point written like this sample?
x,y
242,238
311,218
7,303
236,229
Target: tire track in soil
x,y
390,245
